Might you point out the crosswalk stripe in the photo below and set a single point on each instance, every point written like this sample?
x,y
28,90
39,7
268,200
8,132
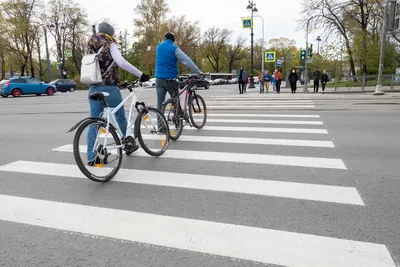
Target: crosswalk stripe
x,y
261,115
229,240
313,162
244,140
258,107
266,121
260,102
314,192
292,122
258,129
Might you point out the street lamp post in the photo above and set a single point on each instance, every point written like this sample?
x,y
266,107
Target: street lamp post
x,y
262,46
47,54
318,40
252,7
306,58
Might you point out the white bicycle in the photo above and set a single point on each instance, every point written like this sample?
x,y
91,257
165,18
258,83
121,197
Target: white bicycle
x,y
105,128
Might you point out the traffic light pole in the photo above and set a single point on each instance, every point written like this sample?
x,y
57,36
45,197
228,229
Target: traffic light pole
x,y
306,58
378,89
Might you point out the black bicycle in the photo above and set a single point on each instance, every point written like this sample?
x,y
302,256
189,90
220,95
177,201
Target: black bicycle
x,y
172,108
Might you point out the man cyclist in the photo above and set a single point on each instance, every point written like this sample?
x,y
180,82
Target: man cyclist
x,y
167,56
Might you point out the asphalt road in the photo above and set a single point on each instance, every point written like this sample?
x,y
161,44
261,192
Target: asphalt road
x,y
278,180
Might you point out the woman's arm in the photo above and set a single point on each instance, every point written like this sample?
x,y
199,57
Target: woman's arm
x,y
118,58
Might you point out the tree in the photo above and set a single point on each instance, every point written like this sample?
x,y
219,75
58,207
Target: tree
x,y
18,18
236,52
152,16
331,16
64,19
186,34
213,45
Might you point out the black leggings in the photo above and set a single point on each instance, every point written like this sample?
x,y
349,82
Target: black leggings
x,y
293,87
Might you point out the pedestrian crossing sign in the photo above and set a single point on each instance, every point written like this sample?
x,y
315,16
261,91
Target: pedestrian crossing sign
x,y
247,23
269,56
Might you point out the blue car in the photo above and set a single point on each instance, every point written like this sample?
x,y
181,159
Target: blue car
x,y
18,86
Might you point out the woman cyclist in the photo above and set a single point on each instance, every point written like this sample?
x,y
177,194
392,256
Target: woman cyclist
x,y
109,59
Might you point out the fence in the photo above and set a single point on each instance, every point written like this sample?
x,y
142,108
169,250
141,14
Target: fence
x,y
365,82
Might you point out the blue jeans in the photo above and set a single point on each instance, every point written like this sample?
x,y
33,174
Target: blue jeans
x,y
261,88
96,108
162,87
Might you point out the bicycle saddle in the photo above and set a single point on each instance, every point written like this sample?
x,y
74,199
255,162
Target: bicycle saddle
x,y
98,96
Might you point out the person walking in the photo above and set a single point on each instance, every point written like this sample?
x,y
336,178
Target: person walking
x,y
324,80
241,79
316,77
110,59
278,78
293,78
261,81
273,81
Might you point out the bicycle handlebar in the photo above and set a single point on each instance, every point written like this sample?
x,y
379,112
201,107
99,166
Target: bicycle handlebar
x,y
129,85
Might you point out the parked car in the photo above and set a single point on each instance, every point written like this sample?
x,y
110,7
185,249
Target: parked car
x,y
200,83
18,86
64,85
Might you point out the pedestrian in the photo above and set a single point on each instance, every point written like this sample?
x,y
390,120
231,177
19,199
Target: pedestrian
x,y
246,82
267,80
316,78
110,59
273,82
241,79
278,78
324,80
293,78
261,81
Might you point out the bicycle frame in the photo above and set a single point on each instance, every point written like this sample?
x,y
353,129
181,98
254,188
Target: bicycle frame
x,y
109,115
187,89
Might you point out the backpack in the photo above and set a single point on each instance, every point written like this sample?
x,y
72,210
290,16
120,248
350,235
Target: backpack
x,y
90,68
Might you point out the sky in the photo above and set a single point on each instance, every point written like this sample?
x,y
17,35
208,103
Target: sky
x,y
280,17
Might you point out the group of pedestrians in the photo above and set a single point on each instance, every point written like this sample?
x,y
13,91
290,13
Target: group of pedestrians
x,y
317,77
265,79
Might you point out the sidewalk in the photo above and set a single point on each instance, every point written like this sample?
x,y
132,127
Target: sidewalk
x,y
330,93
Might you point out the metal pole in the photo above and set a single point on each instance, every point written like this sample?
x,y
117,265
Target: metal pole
x,y
306,57
263,49
378,89
251,84
47,55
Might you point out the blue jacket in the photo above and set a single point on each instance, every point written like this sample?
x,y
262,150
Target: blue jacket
x,y
244,75
167,55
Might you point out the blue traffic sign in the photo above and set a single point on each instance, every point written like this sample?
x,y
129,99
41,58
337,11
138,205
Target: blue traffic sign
x,y
269,56
279,63
247,23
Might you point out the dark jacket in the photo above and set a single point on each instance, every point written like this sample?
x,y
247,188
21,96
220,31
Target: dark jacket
x,y
293,78
317,75
324,78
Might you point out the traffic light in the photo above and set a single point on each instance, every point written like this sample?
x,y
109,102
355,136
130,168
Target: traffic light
x,y
310,51
303,54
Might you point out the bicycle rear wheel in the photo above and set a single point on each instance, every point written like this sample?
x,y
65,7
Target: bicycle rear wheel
x,y
153,127
197,107
103,153
175,122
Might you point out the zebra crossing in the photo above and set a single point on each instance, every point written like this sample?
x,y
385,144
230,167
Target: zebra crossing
x,y
271,142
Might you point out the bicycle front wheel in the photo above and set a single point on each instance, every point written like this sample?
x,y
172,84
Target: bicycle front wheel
x,y
153,132
97,151
198,110
170,111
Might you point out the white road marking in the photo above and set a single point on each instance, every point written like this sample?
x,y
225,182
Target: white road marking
x,y
229,240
